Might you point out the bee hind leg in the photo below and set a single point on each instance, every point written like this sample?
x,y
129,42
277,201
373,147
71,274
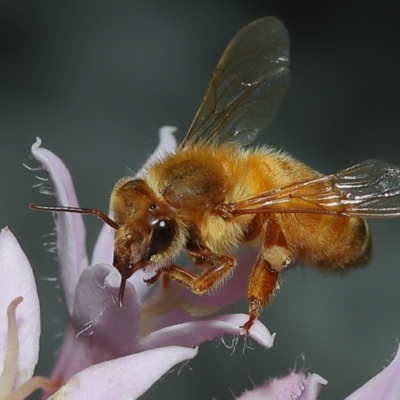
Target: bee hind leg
x,y
264,277
263,284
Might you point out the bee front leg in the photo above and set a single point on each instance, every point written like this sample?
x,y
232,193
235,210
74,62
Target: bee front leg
x,y
160,273
219,268
154,278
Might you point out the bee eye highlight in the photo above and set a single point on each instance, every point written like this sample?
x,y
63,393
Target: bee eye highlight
x,y
162,235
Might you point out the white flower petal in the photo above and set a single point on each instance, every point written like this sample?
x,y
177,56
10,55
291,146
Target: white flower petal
x,y
103,252
383,386
293,386
71,249
18,279
312,386
123,378
167,145
190,334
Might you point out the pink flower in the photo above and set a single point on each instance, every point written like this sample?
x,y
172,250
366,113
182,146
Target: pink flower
x,y
152,332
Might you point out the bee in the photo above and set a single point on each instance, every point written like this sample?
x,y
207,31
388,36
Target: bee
x,y
213,194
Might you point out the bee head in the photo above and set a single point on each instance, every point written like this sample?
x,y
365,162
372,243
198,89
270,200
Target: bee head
x,y
149,233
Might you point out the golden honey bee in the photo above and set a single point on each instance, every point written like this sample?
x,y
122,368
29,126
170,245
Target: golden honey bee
x,y
213,194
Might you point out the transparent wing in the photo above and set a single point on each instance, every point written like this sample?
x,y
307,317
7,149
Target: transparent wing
x,y
247,86
370,189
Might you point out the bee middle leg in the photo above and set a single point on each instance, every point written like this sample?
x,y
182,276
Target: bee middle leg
x,y
218,268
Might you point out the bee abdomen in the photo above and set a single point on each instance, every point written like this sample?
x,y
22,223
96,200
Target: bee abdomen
x,y
329,242
350,247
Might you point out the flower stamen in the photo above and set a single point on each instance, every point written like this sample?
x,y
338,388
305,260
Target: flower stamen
x,y
10,369
10,363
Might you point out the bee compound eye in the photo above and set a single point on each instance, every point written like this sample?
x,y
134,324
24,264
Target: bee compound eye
x,y
163,232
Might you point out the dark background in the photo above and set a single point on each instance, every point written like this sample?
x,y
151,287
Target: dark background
x,y
96,80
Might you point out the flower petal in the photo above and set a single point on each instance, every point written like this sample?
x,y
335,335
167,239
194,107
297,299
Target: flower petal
x,y
293,386
103,252
96,311
167,145
123,378
312,386
383,386
17,274
71,232
100,330
190,334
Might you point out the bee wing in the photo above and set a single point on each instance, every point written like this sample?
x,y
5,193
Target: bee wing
x,y
247,86
370,189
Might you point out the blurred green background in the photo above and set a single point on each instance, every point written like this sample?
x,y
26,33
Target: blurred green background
x,y
96,80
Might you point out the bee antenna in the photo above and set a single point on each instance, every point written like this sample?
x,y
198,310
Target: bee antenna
x,y
77,210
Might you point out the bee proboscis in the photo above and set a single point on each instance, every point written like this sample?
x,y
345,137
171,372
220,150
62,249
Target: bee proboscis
x,y
213,194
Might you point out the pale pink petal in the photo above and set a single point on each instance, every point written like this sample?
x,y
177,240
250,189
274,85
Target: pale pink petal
x,y
100,330
103,252
383,386
97,314
190,334
123,378
167,145
70,229
18,280
138,281
293,386
312,385
74,355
